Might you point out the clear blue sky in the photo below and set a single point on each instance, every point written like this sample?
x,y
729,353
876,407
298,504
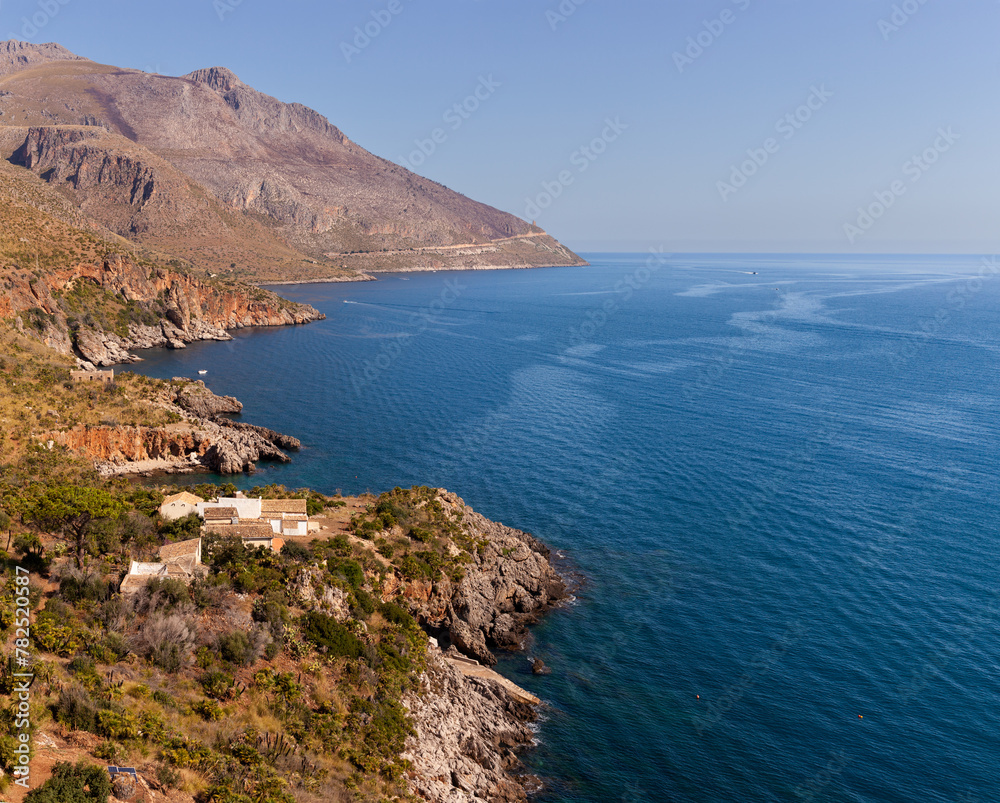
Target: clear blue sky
x,y
884,94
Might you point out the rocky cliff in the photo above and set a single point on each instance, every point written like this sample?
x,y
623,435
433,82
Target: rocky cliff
x,y
508,583
142,306
467,731
201,439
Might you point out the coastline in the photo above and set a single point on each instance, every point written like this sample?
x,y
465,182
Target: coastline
x,y
373,275
469,720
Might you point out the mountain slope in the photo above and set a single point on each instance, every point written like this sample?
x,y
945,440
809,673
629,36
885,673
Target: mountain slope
x,y
321,203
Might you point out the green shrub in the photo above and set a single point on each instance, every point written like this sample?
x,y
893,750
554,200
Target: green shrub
x,y
219,685
76,586
182,529
349,570
111,752
297,552
172,591
329,634
340,545
420,534
83,783
118,725
397,615
365,602
235,647
76,709
209,710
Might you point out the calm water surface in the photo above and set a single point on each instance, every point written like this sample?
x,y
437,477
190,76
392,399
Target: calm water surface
x,y
778,475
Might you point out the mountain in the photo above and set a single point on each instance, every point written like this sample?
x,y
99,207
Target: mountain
x,y
208,170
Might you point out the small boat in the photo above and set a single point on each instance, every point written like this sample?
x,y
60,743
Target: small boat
x,y
203,372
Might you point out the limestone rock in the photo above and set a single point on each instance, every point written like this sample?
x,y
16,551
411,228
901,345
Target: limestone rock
x,y
200,401
465,729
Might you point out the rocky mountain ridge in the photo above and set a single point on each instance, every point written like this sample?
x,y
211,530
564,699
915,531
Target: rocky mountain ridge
x,y
305,200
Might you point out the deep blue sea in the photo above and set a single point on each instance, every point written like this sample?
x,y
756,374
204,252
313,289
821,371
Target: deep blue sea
x,y
777,475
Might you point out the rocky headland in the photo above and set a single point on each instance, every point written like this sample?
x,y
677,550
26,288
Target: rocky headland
x,y
152,307
469,721
202,438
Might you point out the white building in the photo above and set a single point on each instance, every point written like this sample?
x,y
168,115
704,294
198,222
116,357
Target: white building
x,y
245,508
179,505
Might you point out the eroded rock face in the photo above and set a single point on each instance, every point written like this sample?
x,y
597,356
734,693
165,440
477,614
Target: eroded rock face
x,y
110,444
204,439
467,729
506,588
192,309
309,587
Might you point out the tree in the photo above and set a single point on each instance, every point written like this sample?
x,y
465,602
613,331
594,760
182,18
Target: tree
x,y
72,510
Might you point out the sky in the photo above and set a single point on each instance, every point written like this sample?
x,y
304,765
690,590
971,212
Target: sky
x,y
687,125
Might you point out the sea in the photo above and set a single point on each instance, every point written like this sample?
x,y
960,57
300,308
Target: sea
x,y
773,478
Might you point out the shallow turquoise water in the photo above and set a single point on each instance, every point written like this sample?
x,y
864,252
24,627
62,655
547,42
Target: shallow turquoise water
x,y
781,489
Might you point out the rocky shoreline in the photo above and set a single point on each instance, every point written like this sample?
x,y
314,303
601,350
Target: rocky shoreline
x,y
470,722
203,440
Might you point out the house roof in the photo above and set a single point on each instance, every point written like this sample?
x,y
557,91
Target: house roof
x,y
243,530
283,506
180,549
295,517
133,582
183,496
220,513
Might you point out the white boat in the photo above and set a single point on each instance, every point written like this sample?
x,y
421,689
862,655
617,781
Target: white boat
x,y
203,372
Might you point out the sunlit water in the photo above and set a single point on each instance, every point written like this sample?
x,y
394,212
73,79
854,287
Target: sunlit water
x,y
780,487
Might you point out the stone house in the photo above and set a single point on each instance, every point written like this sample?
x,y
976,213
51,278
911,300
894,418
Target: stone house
x,y
92,376
180,561
253,532
245,508
283,517
286,516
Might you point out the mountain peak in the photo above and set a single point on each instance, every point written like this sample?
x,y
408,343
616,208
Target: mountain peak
x,y
16,55
218,78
